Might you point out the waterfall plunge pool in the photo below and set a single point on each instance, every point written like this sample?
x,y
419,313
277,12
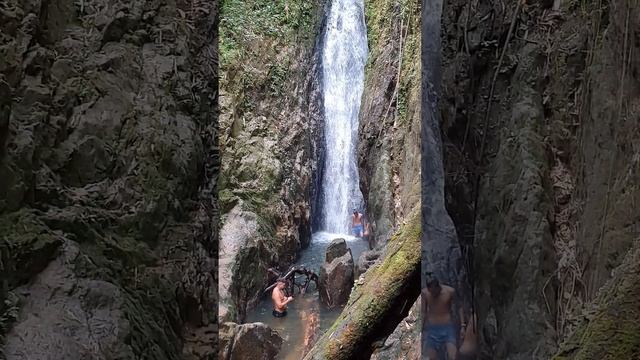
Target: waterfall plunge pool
x,y
291,327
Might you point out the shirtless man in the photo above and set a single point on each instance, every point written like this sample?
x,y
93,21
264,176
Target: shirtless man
x,y
356,223
469,347
436,323
279,300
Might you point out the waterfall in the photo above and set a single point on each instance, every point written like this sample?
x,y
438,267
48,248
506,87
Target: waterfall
x,y
344,56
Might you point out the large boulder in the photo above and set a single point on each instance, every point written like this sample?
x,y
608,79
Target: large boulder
x,y
239,264
336,274
254,341
336,249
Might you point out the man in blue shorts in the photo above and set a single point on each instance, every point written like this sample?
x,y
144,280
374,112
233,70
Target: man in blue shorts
x,y
437,324
356,224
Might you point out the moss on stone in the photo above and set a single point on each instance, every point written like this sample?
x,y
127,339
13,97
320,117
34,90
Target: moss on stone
x,y
278,22
28,244
381,22
612,331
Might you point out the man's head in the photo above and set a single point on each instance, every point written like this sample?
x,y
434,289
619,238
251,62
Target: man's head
x,y
281,283
355,212
434,286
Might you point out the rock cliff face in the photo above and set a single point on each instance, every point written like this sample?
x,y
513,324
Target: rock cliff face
x,y
389,134
540,126
108,173
270,130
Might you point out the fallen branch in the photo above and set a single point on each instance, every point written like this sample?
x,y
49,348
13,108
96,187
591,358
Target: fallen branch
x,y
290,277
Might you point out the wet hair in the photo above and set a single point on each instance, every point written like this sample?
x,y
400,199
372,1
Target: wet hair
x,y
432,282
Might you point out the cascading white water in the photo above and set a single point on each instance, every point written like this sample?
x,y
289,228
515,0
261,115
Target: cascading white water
x,y
343,59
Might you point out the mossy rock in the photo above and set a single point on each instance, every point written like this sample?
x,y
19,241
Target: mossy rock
x,y
375,308
27,246
612,331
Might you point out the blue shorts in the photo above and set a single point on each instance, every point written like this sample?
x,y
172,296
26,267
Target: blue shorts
x,y
358,229
439,335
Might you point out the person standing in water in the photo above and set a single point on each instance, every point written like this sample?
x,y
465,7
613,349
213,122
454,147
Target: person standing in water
x,y
280,301
437,324
356,223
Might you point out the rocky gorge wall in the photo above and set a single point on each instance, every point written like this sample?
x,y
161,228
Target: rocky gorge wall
x,y
108,166
270,141
540,126
389,133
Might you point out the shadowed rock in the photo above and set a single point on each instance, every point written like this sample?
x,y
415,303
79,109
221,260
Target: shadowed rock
x,y
404,342
254,341
365,261
108,156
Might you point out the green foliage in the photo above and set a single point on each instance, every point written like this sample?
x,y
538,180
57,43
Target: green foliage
x,y
277,77
383,17
245,23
